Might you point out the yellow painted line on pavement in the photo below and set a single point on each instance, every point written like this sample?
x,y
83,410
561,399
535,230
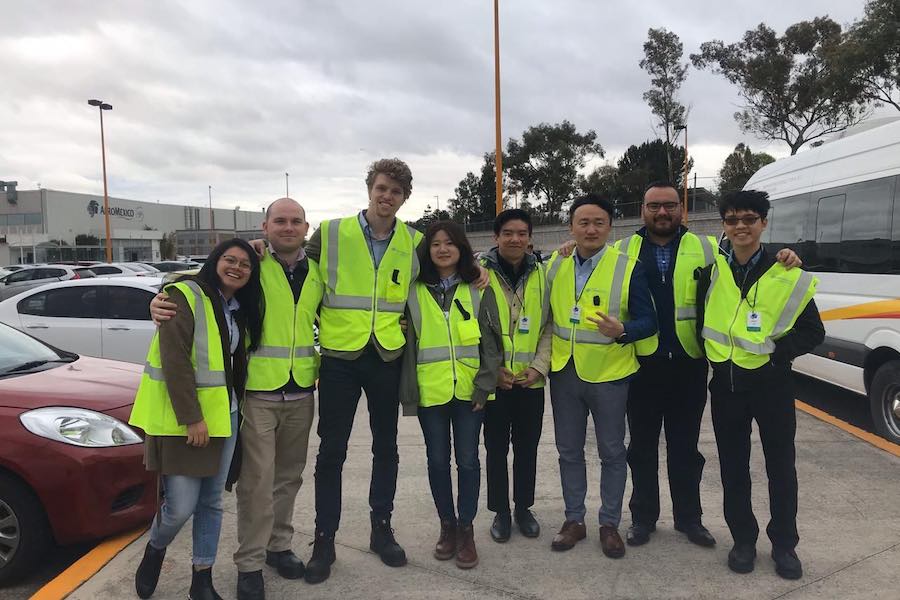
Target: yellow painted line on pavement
x,y
873,439
86,567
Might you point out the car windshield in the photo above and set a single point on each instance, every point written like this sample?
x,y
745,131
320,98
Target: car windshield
x,y
19,351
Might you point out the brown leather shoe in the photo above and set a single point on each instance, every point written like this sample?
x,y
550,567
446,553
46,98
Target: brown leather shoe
x,y
466,555
446,544
611,542
571,533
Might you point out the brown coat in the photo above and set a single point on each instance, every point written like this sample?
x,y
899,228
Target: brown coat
x,y
171,455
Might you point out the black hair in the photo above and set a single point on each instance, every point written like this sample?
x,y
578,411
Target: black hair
x,y
511,214
753,200
596,200
249,296
662,183
466,268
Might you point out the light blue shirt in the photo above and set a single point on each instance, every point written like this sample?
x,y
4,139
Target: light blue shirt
x,y
234,335
377,248
584,268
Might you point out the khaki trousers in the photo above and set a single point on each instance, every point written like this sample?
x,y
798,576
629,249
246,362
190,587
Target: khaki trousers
x,y
274,439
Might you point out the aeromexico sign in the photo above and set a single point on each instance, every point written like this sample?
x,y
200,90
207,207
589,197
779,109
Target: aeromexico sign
x,y
94,208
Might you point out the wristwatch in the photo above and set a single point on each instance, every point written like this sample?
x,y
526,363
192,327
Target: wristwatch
x,y
623,338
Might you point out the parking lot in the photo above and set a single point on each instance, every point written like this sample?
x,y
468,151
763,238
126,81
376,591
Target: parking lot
x,y
849,528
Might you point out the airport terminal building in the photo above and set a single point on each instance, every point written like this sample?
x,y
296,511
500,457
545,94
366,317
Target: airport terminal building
x,y
48,225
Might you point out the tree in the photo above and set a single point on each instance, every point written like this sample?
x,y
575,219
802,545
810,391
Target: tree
x,y
603,180
167,246
790,92
739,166
475,198
662,61
547,160
871,53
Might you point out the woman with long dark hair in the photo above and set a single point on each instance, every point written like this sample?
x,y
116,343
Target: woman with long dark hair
x,y
188,404
450,365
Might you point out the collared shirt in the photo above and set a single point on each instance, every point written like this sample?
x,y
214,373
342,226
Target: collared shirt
x,y
377,247
229,307
740,271
583,269
664,254
443,286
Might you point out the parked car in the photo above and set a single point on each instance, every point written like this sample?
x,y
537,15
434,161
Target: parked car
x,y
175,265
140,267
71,469
116,270
29,277
4,272
101,317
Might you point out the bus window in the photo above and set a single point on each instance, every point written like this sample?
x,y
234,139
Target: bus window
x,y
895,236
866,233
829,220
788,229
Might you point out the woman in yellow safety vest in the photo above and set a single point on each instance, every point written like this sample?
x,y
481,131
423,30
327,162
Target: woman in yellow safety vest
x,y
188,405
453,353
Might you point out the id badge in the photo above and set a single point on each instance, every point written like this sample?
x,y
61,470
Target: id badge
x,y
575,315
524,324
754,321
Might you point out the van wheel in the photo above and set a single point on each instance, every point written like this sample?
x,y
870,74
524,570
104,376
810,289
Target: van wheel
x,y
24,533
884,400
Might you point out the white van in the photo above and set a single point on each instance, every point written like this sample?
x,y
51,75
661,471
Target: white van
x,y
838,206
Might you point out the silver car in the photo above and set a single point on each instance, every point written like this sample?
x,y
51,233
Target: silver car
x,y
29,277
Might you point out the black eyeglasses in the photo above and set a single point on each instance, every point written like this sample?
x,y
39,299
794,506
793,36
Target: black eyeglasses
x,y
748,220
655,206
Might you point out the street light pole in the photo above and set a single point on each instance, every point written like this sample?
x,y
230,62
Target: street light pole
x,y
104,106
287,190
211,225
685,182
498,154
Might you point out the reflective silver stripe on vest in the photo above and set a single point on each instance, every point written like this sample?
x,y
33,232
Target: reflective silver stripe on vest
x,y
272,352
551,272
389,307
415,311
331,267
343,301
685,313
414,271
519,357
304,351
793,303
582,336
615,291
203,376
709,254
767,347
714,277
432,355
466,352
713,335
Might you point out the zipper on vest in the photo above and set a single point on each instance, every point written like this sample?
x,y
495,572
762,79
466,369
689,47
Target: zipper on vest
x,y
452,350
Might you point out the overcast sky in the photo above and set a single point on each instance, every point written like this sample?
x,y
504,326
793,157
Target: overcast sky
x,y
235,94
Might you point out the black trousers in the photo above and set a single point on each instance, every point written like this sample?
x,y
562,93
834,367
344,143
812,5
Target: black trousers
x,y
671,393
340,385
516,414
772,406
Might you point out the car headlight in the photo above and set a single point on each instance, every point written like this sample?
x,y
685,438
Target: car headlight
x,y
78,427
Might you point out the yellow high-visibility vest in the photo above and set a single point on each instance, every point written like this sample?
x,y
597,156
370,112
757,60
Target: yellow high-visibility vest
x,y
598,358
520,340
744,330
359,300
694,251
286,350
448,355
152,410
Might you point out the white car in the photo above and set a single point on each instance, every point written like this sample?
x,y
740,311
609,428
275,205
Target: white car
x,y
102,317
116,270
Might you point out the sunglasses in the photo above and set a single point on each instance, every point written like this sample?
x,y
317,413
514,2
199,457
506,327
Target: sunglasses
x,y
748,220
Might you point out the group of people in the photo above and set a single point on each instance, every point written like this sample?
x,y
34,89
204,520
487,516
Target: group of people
x,y
620,332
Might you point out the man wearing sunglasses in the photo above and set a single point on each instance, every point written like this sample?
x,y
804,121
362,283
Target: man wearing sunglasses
x,y
754,317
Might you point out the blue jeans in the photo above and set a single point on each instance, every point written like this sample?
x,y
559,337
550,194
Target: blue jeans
x,y
436,423
573,400
197,496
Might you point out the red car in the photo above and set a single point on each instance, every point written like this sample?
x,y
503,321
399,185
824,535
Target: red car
x,y
71,469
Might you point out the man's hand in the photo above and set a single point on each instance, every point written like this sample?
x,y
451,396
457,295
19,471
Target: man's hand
x,y
484,278
788,258
161,309
197,434
609,326
527,377
477,407
505,379
403,323
567,248
259,246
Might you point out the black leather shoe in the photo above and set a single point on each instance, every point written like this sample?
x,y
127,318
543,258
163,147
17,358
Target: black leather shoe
x,y
787,564
318,569
638,534
202,586
741,558
501,527
147,575
383,544
528,525
697,534
287,563
250,586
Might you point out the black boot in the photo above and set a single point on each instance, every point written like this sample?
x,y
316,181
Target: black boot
x,y
250,586
383,543
318,569
202,586
286,562
147,575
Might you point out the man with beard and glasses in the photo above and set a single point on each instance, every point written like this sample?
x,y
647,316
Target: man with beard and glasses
x,y
670,386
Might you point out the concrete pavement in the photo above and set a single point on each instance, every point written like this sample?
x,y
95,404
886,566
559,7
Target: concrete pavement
x,y
849,527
